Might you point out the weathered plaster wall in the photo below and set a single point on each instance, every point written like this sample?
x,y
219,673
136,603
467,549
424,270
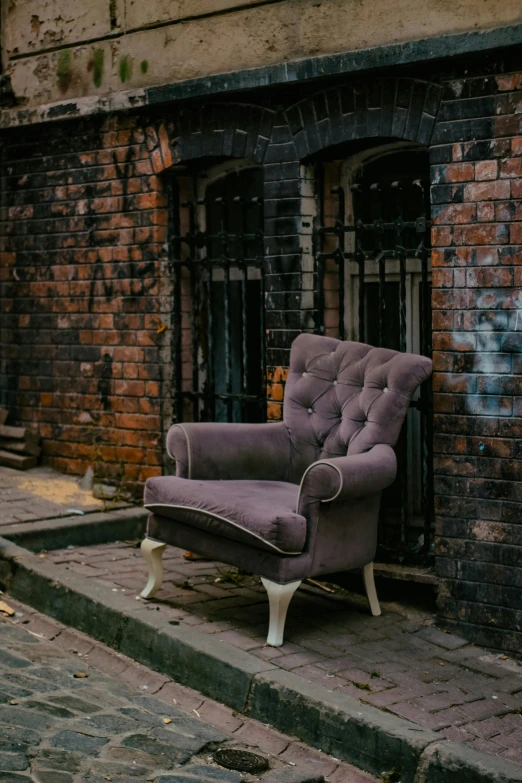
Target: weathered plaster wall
x,y
56,49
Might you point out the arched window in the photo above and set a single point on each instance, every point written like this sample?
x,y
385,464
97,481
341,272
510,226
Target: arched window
x,y
372,257
216,249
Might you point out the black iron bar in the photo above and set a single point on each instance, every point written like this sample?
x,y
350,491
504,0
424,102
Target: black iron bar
x,y
400,254
382,300
209,397
194,304
244,327
221,396
319,256
174,240
177,338
318,232
402,298
262,340
225,250
361,260
425,393
243,268
341,256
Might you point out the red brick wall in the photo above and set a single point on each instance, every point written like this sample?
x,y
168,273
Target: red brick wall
x,y
477,342
85,294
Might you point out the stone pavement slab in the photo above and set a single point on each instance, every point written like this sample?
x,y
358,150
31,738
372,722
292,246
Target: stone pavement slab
x,y
72,710
398,662
41,493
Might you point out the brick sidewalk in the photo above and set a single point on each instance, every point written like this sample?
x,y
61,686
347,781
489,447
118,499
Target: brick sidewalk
x,y
398,664
96,728
42,493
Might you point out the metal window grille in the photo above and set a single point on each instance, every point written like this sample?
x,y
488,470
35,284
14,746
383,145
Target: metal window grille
x,y
216,253
372,259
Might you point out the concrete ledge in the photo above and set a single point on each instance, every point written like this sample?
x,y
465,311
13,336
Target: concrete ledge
x,y
370,738
87,530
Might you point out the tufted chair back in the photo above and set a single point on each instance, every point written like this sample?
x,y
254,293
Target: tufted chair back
x,y
346,397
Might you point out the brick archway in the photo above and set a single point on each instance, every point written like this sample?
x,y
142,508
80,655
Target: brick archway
x,y
394,108
217,130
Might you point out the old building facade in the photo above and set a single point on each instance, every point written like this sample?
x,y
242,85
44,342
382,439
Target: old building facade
x,y
184,191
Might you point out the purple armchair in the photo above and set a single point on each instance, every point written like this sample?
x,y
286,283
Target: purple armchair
x,y
297,498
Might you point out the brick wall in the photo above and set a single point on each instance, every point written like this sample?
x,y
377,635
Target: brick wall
x,y
477,341
84,295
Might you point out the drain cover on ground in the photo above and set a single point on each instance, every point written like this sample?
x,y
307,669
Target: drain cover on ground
x,y
242,760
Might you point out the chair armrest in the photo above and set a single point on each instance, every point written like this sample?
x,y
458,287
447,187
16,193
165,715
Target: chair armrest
x,y
348,477
208,450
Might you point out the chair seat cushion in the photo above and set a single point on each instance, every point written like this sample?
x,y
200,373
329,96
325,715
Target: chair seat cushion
x,y
259,513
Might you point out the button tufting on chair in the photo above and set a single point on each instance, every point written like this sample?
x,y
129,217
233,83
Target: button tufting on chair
x,y
310,410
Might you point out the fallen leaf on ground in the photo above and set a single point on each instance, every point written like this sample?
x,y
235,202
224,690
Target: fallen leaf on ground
x,y
13,701
6,609
167,720
80,675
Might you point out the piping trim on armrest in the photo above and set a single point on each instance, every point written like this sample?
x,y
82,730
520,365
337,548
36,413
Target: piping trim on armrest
x,y
189,456
309,468
153,506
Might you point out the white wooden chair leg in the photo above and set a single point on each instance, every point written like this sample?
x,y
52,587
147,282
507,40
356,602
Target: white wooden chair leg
x,y
371,592
279,597
153,553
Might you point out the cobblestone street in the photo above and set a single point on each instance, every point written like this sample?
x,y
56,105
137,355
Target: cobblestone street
x,y
398,662
71,710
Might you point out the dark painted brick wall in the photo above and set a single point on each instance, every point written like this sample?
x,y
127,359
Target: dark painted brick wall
x,y
477,298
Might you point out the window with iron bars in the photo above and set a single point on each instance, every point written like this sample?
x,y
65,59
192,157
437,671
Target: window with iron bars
x,y
216,254
372,260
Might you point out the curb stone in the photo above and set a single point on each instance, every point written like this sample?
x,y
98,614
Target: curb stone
x,y
366,736
453,762
333,721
